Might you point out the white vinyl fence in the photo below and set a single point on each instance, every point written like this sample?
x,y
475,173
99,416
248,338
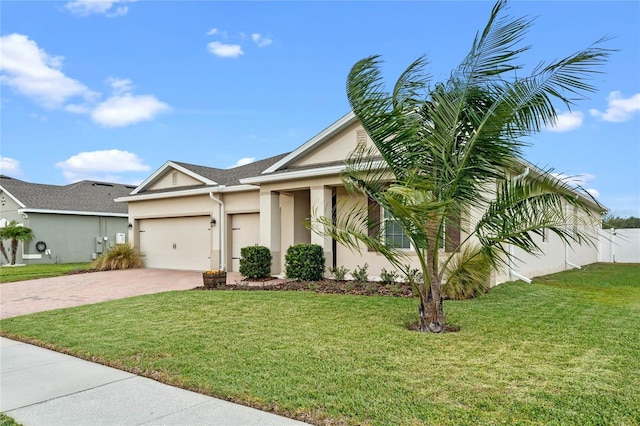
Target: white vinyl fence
x,y
619,245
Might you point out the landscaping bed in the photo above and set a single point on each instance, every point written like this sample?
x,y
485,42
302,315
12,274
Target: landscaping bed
x,y
369,288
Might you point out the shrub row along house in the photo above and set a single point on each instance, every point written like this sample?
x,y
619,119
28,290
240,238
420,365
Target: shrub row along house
x,y
193,217
71,223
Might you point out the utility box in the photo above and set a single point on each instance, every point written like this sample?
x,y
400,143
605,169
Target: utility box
x,y
101,243
120,238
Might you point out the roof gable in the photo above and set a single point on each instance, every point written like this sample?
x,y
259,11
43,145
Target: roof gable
x,y
312,152
190,176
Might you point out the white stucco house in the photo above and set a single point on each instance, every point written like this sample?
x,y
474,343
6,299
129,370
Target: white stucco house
x,y
193,217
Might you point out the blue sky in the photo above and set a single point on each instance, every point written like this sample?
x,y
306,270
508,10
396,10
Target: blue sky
x,y
112,90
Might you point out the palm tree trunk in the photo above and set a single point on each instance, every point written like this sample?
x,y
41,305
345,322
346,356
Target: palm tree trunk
x,y
435,309
3,250
14,250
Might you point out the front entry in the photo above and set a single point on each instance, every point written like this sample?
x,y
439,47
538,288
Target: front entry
x,y
245,231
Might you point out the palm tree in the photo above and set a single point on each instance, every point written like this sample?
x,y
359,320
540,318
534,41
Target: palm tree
x,y
440,150
15,232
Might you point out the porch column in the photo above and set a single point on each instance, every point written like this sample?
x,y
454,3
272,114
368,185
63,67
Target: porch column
x,y
270,227
321,205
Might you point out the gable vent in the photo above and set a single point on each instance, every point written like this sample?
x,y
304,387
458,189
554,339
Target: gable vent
x,y
174,178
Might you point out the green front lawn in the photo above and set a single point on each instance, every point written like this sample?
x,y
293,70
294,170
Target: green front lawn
x,y
29,272
562,350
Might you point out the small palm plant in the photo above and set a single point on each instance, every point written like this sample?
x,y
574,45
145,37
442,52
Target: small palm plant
x,y
15,232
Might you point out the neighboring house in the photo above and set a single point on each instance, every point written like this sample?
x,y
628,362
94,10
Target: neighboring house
x,y
194,217
71,223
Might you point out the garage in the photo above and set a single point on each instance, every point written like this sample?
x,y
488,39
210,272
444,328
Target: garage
x,y
245,231
176,242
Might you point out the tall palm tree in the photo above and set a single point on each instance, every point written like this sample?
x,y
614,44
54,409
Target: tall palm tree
x,y
15,232
440,150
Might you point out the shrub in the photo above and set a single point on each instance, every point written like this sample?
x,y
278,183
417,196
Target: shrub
x,y
255,261
121,256
469,274
413,274
338,272
304,262
388,277
360,274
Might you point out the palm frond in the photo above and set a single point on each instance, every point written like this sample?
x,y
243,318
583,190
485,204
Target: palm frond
x,y
526,207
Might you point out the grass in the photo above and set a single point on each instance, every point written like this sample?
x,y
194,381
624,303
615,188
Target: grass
x,y
564,350
29,272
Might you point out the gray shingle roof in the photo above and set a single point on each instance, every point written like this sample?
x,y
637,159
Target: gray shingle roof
x,y
227,177
83,196
232,176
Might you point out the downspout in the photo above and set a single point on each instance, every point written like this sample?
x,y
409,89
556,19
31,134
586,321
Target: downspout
x,y
512,272
223,228
566,258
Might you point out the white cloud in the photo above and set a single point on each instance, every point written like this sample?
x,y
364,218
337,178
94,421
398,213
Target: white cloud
x,y
101,165
580,180
77,109
619,109
225,50
260,40
594,192
212,31
10,167
125,109
567,121
36,74
243,162
109,8
120,85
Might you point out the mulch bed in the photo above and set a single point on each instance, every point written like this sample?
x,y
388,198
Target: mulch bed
x,y
324,286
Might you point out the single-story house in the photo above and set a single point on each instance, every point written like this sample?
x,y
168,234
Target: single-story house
x,y
193,217
71,223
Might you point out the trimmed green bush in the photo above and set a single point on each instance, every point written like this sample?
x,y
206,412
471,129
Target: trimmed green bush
x,y
360,273
338,272
305,262
121,256
388,277
255,261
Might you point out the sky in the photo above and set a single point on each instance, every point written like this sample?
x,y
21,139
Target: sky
x,y
112,90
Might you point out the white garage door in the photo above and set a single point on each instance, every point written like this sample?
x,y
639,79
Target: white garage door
x,y
176,243
245,231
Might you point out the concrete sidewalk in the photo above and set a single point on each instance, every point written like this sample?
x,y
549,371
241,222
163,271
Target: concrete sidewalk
x,y
43,387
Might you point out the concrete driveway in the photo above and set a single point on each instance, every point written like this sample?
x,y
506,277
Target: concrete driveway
x,y
44,294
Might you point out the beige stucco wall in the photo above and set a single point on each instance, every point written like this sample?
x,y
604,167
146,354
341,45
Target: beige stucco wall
x,y
335,149
170,176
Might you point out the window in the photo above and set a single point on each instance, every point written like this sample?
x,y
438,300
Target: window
x,y
393,234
